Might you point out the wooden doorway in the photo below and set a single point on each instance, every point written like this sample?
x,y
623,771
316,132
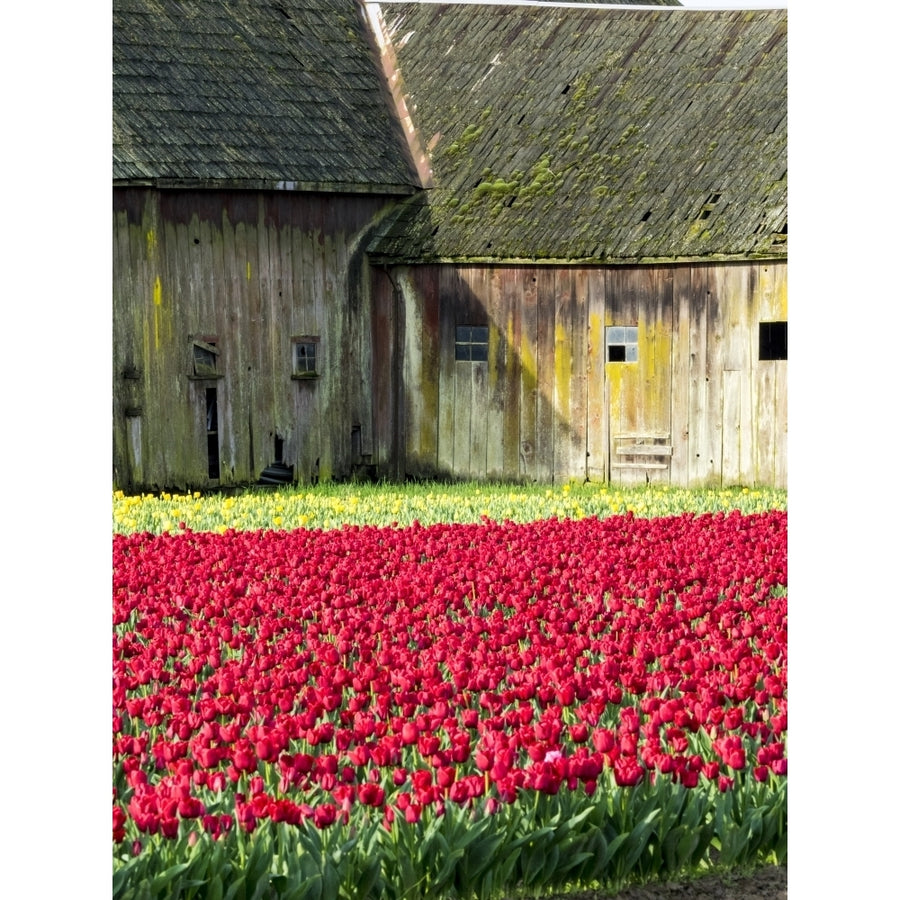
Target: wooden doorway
x,y
631,379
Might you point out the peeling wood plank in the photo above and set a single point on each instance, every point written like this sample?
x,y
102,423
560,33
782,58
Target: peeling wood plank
x,y
509,327
731,428
577,467
545,412
498,376
596,413
446,423
681,375
566,425
701,473
529,383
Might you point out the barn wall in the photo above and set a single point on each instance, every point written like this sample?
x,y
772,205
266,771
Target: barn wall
x,y
248,270
547,405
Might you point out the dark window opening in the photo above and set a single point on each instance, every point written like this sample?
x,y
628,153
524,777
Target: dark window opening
x,y
773,340
472,343
205,355
306,359
279,449
621,343
212,433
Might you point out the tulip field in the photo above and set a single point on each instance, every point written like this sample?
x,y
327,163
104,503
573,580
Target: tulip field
x,y
446,692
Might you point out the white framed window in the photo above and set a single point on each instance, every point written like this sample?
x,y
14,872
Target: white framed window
x,y
621,343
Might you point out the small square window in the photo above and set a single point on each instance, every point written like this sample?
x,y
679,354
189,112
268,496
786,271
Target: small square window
x,y
472,343
305,357
773,340
205,358
621,343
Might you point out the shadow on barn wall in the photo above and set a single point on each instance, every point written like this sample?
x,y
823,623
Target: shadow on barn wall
x,y
633,374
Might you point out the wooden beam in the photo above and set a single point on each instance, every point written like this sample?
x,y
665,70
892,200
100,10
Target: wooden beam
x,y
644,450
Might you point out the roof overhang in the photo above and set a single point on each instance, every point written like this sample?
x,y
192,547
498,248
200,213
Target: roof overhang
x,y
383,261
300,187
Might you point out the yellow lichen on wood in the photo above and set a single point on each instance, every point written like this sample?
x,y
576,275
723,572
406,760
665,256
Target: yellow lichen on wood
x,y
157,306
529,366
770,298
654,356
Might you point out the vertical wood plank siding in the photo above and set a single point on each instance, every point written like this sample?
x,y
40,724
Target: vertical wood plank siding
x,y
249,270
549,406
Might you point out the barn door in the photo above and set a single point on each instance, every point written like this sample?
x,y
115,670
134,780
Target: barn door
x,y
630,429
637,403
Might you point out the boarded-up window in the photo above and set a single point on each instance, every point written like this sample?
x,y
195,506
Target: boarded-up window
x,y
621,343
472,342
306,360
206,356
773,340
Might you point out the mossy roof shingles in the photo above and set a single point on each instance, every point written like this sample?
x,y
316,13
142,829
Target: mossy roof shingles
x,y
593,134
252,93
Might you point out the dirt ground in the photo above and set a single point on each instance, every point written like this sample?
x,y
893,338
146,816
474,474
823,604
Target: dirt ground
x,y
767,883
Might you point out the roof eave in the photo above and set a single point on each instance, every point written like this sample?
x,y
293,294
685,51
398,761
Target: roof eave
x,y
254,184
383,260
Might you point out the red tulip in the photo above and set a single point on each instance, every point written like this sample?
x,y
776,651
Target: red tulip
x,y
603,739
412,813
325,815
578,732
628,772
371,794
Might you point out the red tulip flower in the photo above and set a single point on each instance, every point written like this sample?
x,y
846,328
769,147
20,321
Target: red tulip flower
x,y
325,815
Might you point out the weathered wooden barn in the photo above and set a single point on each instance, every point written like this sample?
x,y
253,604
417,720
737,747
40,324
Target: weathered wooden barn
x,y
255,145
596,286
503,242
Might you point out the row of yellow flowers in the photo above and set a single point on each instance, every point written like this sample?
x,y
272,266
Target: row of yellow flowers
x,y
334,505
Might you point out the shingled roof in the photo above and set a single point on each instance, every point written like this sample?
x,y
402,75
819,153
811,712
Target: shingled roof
x,y
254,94
586,133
